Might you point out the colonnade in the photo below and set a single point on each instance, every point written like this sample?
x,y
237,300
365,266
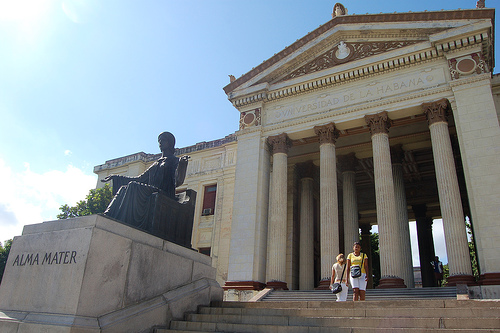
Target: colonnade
x,y
392,215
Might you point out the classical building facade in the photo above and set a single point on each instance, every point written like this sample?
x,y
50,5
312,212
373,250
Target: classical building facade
x,y
368,120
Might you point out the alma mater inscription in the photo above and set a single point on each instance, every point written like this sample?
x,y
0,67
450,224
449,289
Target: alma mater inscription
x,y
47,258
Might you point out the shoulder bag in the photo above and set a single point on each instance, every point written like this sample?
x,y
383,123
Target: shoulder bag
x,y
336,287
356,270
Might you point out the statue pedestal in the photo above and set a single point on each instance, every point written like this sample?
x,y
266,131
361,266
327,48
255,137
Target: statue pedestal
x,y
93,274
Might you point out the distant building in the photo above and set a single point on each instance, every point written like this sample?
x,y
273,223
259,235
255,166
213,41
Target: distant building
x,y
369,119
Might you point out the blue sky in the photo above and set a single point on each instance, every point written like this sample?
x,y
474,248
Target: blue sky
x,y
85,81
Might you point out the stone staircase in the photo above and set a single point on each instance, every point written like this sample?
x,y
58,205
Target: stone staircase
x,y
371,294
319,313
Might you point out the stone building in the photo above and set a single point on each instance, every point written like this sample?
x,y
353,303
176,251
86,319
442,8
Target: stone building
x,y
372,119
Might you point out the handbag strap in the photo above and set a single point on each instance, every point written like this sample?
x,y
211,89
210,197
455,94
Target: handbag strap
x,y
342,276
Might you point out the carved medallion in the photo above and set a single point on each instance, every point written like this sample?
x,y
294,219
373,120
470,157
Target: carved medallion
x,y
467,65
250,118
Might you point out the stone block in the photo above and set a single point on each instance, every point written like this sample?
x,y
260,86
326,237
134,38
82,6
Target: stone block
x,y
97,275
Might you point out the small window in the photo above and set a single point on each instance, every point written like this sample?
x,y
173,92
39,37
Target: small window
x,y
209,200
205,251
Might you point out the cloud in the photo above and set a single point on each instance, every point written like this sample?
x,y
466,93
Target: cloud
x,y
27,197
68,152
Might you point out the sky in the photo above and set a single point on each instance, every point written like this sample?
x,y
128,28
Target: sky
x,y
86,81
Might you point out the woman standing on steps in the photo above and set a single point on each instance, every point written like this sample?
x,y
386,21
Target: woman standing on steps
x,y
339,275
357,267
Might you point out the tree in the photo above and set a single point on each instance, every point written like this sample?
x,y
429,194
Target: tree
x,y
4,255
95,202
472,250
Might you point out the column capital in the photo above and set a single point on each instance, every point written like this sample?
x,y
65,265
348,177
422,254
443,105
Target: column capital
x,y
397,154
279,143
378,123
306,169
436,111
327,133
347,162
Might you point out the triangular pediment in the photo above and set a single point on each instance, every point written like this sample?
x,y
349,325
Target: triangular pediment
x,y
345,52
347,46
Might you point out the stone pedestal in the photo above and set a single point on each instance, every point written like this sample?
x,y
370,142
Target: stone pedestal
x,y
93,274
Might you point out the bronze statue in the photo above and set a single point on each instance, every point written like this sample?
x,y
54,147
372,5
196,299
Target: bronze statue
x,y
137,199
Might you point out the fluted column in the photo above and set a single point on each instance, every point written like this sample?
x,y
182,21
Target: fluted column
x,y
329,218
425,244
391,266
306,252
350,200
457,247
276,238
397,154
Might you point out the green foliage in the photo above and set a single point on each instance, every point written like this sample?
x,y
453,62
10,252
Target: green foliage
x,y
4,254
472,250
446,274
375,253
95,202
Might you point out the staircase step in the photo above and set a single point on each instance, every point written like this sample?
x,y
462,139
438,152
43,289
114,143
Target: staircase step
x,y
390,316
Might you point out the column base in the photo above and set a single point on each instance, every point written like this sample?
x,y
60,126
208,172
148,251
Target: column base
x,y
461,279
323,285
244,285
489,279
277,285
391,282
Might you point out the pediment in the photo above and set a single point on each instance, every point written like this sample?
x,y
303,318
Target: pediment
x,y
352,46
345,52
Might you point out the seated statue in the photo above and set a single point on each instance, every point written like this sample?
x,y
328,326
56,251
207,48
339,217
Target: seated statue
x,y
136,200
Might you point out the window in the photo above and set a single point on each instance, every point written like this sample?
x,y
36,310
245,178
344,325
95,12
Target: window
x,y
209,200
205,251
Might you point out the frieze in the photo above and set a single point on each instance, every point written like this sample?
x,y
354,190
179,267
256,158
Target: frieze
x,y
344,52
372,91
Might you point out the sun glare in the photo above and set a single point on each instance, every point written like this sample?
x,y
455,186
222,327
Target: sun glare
x,y
22,11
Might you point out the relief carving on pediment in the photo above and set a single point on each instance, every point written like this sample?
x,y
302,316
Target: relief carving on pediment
x,y
344,52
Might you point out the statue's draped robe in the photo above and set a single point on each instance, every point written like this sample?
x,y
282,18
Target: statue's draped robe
x,y
134,201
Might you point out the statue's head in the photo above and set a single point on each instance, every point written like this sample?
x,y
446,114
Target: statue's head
x,y
166,141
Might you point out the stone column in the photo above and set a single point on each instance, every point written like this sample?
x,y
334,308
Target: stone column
x,y
397,155
276,237
457,247
350,200
391,266
366,247
329,218
425,244
306,252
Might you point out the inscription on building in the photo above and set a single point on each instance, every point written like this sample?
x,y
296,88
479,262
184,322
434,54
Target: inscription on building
x,y
346,97
47,258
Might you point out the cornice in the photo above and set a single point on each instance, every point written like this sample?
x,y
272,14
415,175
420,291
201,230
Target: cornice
x,y
469,80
